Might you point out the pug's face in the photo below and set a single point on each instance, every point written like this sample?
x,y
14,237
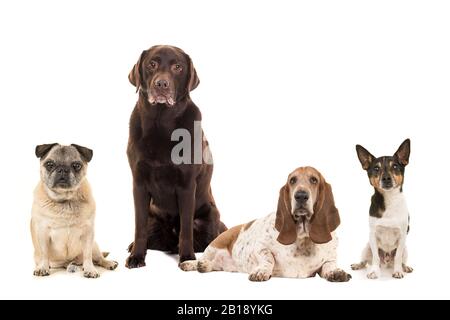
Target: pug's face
x,y
63,168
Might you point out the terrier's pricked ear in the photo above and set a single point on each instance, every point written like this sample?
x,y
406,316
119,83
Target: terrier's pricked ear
x,y
135,76
364,156
403,152
42,150
86,153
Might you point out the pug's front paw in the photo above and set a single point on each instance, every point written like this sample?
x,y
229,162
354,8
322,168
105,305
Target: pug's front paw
x,y
41,272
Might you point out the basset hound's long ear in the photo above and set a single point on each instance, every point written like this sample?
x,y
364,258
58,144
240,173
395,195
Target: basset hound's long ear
x,y
326,216
284,222
135,75
194,81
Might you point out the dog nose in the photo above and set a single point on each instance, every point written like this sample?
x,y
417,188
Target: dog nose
x,y
162,84
62,170
386,179
301,196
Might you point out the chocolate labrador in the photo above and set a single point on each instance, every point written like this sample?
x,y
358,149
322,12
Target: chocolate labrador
x,y
174,207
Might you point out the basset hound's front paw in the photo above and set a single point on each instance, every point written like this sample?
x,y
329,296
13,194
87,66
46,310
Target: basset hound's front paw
x,y
338,275
260,275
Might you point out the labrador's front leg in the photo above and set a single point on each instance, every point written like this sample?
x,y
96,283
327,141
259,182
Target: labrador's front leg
x,y
186,205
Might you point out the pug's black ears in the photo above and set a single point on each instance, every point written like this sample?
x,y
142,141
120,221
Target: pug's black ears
x,y
86,153
42,149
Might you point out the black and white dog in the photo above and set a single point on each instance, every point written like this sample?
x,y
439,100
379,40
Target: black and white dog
x,y
389,216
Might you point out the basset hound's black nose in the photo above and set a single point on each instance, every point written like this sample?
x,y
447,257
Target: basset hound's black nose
x,y
301,196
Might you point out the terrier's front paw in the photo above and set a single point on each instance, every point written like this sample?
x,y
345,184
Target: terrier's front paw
x,y
397,275
373,274
41,272
259,276
338,275
91,273
135,262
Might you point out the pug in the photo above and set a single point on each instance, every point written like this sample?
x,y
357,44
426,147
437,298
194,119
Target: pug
x,y
63,213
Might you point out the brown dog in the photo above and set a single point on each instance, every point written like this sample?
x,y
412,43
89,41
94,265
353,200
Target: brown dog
x,y
174,207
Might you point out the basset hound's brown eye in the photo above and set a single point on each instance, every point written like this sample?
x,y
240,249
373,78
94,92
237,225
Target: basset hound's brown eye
x,y
313,180
293,180
177,67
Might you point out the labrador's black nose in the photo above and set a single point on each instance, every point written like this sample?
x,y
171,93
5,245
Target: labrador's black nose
x,y
162,84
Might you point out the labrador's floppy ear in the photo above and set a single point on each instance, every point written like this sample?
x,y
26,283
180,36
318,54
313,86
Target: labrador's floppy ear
x,y
194,81
326,216
42,149
86,153
135,75
284,222
403,152
364,156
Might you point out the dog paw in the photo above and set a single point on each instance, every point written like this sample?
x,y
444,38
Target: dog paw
x,y
398,275
204,266
338,275
259,276
41,272
188,257
111,265
407,269
189,265
135,262
373,275
91,274
358,266
72,268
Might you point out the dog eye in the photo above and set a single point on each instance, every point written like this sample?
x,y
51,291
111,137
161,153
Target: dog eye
x,y
49,165
293,180
178,67
395,167
313,180
152,65
77,166
376,169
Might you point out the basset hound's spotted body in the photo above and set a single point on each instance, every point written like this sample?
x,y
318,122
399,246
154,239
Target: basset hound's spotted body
x,y
296,241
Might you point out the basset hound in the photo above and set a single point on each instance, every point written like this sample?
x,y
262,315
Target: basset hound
x,y
296,241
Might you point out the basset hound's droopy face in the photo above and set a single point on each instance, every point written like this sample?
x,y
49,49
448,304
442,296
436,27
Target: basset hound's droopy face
x,y
306,204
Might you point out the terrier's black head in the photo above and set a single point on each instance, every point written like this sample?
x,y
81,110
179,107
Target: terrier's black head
x,y
385,173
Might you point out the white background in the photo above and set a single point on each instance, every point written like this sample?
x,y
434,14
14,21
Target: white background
x,y
283,84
